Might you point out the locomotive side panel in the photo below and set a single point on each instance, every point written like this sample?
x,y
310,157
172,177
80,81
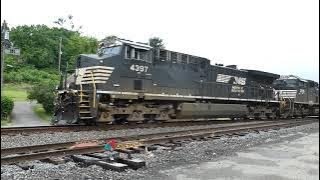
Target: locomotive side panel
x,y
174,79
227,82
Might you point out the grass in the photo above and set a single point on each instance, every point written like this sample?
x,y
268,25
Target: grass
x,y
18,92
5,122
41,113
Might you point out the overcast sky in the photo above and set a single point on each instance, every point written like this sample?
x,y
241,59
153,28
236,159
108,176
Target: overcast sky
x,y
279,36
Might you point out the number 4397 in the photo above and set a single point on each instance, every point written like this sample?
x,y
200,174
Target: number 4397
x,y
139,68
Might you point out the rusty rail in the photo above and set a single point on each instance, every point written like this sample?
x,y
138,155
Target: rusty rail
x,y
8,156
103,127
26,149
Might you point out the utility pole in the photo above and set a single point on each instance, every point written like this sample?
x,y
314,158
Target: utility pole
x,y
59,63
65,76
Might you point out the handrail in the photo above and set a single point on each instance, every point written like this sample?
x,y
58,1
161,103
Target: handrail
x,y
94,90
81,92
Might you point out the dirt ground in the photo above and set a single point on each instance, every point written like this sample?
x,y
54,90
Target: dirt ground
x,y
297,159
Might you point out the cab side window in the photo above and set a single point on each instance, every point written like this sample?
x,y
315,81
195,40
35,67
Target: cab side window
x,y
128,52
137,54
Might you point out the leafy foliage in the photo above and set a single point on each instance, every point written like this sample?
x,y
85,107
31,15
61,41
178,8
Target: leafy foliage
x,y
78,45
6,107
156,42
44,94
39,45
67,23
29,75
109,39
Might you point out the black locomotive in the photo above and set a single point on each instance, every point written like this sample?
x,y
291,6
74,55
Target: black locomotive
x,y
298,96
130,81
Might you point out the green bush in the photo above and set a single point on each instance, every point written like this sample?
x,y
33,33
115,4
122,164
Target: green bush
x,y
6,107
44,93
29,75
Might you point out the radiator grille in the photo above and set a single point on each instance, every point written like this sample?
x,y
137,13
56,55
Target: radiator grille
x,y
93,74
292,94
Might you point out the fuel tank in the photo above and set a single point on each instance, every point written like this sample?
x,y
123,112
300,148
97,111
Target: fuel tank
x,y
200,110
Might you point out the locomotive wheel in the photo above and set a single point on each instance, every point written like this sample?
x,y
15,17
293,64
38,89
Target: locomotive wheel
x,y
120,119
150,119
271,116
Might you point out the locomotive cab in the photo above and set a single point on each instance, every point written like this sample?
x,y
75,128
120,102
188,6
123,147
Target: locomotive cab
x,y
300,96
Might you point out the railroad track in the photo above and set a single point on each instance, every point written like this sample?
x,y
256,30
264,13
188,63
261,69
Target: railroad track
x,y
12,131
129,143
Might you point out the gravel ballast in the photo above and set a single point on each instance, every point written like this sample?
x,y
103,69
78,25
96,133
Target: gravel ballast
x,y
160,160
60,137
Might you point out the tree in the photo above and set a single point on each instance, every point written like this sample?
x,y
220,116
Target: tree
x,y
76,45
40,45
67,23
108,40
156,42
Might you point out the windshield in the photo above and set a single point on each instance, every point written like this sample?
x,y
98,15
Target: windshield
x,y
110,51
278,82
285,84
292,82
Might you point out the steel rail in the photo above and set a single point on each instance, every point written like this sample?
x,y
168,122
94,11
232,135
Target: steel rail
x,y
74,128
103,126
43,147
146,140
